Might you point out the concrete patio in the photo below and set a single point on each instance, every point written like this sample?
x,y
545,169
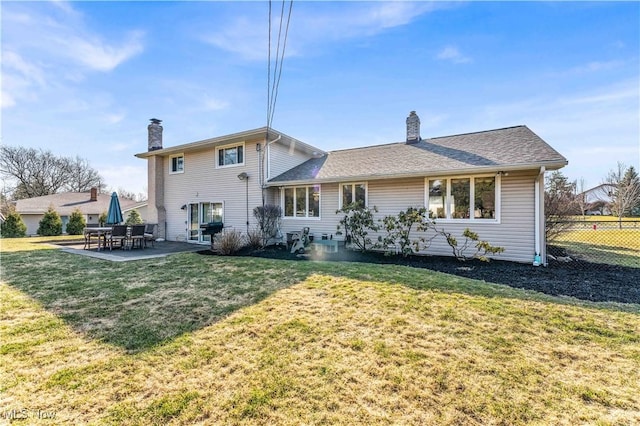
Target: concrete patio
x,y
159,249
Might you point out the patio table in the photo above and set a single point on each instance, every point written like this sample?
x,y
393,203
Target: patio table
x,y
101,232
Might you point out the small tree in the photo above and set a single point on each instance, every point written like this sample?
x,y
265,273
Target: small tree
x,y
133,218
559,204
13,226
51,224
268,217
625,195
76,223
357,223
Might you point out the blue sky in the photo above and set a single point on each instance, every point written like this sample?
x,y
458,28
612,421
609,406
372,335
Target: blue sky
x,y
84,78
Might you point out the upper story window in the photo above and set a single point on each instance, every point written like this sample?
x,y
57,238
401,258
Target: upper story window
x,y
353,193
471,198
301,201
177,163
230,155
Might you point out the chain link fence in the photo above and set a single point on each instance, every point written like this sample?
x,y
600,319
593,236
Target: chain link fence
x,y
596,241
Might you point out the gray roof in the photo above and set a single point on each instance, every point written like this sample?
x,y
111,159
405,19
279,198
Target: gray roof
x,y
512,148
66,202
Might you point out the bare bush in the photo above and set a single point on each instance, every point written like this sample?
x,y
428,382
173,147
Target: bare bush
x,y
229,242
254,239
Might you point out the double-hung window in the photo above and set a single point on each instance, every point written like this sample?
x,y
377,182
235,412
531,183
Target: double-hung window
x,y
230,155
353,193
176,163
467,197
301,201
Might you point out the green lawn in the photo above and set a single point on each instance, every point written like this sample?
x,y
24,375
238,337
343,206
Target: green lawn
x,y
611,246
191,339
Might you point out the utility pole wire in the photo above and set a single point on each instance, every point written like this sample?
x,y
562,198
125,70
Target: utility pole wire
x,y
273,85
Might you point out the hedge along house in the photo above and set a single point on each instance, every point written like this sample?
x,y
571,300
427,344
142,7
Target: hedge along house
x,y
490,181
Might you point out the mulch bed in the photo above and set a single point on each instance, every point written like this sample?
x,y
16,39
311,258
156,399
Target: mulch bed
x,y
583,280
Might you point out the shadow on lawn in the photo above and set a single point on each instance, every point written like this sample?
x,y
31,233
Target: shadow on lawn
x,y
138,305
602,254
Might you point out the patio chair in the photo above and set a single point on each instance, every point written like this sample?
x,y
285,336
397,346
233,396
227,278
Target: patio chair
x,y
137,234
118,235
150,234
299,240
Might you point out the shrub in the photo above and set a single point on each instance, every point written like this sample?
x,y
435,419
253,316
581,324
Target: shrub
x,y
76,223
399,230
268,217
13,226
133,218
255,239
357,223
51,224
482,247
229,242
102,219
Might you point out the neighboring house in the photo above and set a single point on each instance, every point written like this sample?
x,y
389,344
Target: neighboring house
x,y
91,204
597,200
491,182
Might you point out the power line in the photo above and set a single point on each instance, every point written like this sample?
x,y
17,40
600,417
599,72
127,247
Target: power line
x,y
274,84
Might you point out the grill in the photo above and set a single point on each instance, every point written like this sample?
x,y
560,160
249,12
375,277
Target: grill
x,y
211,228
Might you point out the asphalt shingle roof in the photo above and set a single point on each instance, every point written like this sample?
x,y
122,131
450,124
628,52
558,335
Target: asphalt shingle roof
x,y
499,149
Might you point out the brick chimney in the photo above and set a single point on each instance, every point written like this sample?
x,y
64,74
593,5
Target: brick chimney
x,y
413,128
155,134
94,194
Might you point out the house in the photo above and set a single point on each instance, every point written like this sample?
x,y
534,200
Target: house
x,y
490,181
91,204
597,200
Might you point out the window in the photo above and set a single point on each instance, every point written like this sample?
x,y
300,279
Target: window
x,y
177,163
471,198
230,155
301,201
353,193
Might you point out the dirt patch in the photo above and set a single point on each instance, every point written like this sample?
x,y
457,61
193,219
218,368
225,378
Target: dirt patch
x,y
583,280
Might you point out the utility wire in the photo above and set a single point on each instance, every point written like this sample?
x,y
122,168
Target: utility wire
x,y
273,85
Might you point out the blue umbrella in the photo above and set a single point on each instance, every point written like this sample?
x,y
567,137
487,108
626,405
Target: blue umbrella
x,y
114,216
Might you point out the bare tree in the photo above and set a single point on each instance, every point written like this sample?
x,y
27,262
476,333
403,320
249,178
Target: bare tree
x,y
560,204
625,190
38,172
581,197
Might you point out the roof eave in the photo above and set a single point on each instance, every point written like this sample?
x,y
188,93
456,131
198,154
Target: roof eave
x,y
548,165
260,133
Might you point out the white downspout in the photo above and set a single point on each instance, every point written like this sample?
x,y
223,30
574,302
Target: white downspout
x,y
539,214
268,154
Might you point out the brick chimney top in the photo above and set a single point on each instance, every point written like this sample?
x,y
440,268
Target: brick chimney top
x,y
94,194
155,134
413,128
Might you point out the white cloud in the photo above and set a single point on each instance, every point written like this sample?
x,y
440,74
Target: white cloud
x,y
451,53
246,36
45,47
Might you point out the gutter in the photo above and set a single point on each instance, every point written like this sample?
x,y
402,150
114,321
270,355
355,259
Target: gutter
x,y
539,216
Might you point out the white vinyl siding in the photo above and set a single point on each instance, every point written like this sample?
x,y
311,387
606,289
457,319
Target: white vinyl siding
x,y
203,182
514,231
283,157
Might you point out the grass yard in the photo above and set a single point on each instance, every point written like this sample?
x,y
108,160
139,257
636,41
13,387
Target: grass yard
x,y
613,246
191,339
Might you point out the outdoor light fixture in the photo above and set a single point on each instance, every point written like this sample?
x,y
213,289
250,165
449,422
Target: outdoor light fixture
x,y
243,176
184,207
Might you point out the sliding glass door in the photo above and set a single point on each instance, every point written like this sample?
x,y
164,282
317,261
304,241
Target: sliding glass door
x,y
201,214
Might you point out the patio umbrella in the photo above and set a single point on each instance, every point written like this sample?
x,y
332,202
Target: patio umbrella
x,y
114,216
